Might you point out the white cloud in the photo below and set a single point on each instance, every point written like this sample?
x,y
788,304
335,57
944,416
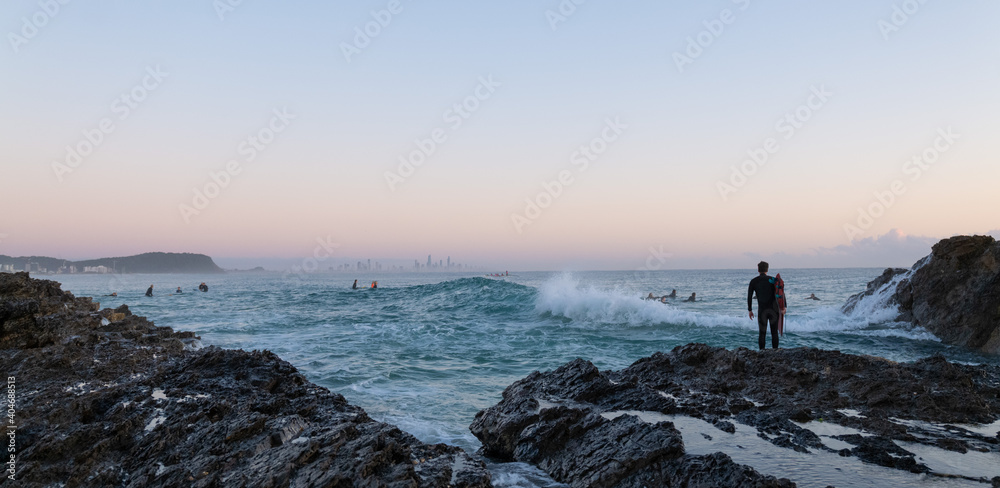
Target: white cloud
x,y
892,249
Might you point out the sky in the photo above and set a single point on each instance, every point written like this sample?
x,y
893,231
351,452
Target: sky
x,y
515,134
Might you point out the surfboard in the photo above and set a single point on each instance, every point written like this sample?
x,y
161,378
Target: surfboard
x,y
779,294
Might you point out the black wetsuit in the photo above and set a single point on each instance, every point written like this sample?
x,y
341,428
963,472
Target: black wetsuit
x,y
203,287
767,308
149,292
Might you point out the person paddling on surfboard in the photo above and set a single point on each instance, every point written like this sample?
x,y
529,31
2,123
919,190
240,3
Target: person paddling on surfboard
x,y
769,310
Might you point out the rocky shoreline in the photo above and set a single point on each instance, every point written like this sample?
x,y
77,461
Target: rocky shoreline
x,y
106,398
587,427
954,292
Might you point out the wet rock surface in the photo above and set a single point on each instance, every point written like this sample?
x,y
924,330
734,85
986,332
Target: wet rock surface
x,y
874,287
954,292
560,420
106,398
956,295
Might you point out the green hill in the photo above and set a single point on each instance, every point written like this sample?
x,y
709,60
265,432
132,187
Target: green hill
x,y
150,262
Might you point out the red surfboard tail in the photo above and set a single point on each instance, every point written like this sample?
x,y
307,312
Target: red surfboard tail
x,y
779,294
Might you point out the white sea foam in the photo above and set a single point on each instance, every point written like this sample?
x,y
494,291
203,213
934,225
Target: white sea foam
x,y
157,420
876,308
814,469
564,296
972,463
989,430
521,475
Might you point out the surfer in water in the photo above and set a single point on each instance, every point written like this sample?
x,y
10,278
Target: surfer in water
x,y
179,290
374,285
355,285
202,287
812,296
767,306
673,294
691,298
149,291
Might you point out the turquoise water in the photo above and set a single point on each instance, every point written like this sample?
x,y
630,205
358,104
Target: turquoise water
x,y
427,351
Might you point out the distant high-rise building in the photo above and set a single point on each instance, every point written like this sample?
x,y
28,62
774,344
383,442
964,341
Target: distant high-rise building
x,y
449,261
428,260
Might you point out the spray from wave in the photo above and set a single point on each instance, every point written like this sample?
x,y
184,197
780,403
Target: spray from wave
x,y
589,305
564,296
878,305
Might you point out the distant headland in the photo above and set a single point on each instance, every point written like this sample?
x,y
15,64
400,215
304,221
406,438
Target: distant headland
x,y
150,262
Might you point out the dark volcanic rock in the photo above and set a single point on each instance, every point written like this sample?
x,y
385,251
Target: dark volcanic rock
x,y
956,295
554,420
873,287
954,292
108,399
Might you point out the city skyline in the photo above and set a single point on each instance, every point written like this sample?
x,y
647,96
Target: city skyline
x,y
523,135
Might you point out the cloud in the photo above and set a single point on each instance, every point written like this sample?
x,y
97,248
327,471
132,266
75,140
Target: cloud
x,y
892,249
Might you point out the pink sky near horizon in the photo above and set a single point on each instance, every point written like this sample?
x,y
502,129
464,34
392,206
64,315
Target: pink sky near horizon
x,y
655,186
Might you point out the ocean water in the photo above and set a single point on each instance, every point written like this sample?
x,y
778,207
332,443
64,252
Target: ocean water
x,y
427,351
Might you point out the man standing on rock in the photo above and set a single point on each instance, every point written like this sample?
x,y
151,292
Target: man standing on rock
x,y
767,305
